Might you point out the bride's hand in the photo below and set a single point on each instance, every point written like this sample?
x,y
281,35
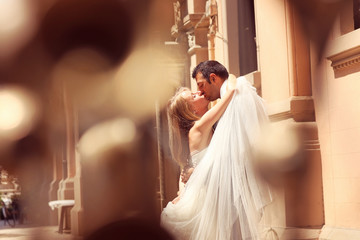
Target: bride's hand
x,y
175,200
231,84
185,174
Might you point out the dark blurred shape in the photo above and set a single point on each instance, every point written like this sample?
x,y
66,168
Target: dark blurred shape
x,y
317,18
130,229
103,25
356,6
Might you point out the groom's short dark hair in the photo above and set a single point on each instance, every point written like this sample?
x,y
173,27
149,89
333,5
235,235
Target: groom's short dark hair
x,y
208,67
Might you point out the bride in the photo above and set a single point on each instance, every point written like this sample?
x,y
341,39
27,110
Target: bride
x,y
221,199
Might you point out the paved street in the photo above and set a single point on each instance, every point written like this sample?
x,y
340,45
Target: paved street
x,y
28,232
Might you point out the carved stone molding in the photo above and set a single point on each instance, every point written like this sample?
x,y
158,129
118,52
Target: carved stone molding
x,y
302,108
344,51
195,20
279,111
191,40
197,40
211,12
197,49
312,145
334,232
177,20
280,116
211,8
345,59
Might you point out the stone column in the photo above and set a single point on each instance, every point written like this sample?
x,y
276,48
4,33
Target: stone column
x,y
298,210
301,103
66,190
66,186
57,176
190,32
77,212
212,13
195,24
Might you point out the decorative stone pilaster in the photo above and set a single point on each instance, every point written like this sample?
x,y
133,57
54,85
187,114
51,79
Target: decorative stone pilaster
x,y
77,212
196,27
57,176
177,20
190,31
67,186
298,209
211,12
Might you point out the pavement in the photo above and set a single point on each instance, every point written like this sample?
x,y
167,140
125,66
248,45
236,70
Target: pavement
x,y
29,232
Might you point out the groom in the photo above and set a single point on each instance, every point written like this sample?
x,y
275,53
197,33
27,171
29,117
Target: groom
x,y
246,114
210,76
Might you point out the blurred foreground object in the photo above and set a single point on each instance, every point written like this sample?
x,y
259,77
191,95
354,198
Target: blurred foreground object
x,y
131,229
18,24
317,18
88,23
280,150
88,71
19,112
288,158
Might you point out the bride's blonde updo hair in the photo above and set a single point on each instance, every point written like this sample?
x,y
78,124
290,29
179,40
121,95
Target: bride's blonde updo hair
x,y
181,118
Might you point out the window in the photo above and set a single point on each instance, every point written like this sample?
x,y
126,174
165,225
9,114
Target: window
x,y
247,36
356,14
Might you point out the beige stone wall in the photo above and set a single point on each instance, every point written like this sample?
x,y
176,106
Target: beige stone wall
x,y
285,82
273,49
337,103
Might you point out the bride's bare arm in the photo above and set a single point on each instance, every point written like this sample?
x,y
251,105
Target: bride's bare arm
x,y
210,117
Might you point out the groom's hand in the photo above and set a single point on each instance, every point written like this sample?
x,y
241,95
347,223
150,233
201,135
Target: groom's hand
x,y
231,84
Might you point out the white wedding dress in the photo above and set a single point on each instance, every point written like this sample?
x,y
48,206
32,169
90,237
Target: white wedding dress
x,y
223,199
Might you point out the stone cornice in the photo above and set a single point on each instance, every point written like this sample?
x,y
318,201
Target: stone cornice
x,y
280,116
196,48
191,21
279,110
334,232
344,51
302,108
345,59
312,145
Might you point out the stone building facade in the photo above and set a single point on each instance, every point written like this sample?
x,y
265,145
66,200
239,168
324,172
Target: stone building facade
x,y
303,58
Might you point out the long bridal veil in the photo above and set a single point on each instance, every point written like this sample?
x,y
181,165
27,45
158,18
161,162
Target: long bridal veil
x,y
223,198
